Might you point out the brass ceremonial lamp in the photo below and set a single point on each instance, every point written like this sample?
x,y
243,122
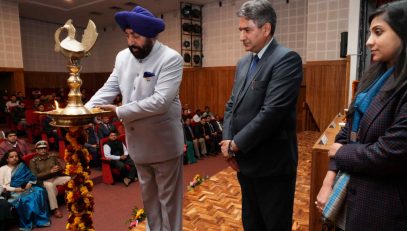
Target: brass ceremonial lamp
x,y
74,116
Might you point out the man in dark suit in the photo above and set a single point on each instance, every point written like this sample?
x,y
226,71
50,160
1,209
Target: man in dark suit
x,y
92,144
106,127
259,135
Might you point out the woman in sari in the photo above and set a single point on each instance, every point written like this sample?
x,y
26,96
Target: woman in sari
x,y
29,200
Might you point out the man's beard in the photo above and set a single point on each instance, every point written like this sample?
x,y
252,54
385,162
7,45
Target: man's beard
x,y
142,52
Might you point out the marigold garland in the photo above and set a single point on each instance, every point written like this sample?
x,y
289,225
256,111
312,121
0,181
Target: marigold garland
x,y
137,216
196,181
79,199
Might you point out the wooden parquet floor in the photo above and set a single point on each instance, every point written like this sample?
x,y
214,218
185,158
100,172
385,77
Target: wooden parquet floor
x,y
215,205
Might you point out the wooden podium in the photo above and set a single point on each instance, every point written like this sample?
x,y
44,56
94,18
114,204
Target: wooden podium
x,y
319,168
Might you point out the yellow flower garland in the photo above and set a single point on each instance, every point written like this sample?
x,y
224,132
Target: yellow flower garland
x,y
78,195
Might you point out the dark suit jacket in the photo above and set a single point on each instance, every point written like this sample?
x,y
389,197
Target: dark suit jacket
x,y
189,132
103,131
377,190
199,130
261,116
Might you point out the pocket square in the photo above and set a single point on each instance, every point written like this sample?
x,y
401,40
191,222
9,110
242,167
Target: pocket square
x,y
148,74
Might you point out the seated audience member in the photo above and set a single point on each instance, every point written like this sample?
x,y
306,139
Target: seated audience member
x,y
18,117
187,110
216,131
207,112
185,114
47,168
97,121
36,94
3,101
218,123
188,129
20,96
92,144
106,127
12,142
199,132
27,198
119,158
189,141
13,102
197,117
62,95
5,209
209,135
36,104
50,131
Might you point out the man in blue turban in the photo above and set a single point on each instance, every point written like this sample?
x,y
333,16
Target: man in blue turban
x,y
148,76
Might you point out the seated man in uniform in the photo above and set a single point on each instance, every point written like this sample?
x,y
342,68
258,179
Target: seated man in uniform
x,y
119,158
48,169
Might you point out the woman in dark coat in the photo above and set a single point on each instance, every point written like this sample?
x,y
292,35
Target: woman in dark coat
x,y
372,148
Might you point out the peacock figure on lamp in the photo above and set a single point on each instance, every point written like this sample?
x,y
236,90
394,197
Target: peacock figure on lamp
x,y
74,51
74,116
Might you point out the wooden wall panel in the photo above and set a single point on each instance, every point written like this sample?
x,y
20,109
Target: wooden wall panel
x,y
15,82
209,86
200,87
58,79
327,87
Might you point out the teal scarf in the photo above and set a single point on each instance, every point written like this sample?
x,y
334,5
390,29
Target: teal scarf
x,y
363,101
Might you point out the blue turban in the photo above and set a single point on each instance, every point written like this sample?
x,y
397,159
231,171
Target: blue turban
x,y
141,21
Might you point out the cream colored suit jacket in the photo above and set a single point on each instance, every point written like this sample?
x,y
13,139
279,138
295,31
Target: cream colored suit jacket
x,y
151,109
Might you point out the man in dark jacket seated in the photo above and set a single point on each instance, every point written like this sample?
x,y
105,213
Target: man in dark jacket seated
x,y
117,153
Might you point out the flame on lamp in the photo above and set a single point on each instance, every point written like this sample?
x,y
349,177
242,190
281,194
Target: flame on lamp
x,y
56,105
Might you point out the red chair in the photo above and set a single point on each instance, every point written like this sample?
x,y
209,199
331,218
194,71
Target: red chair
x,y
119,127
26,158
33,124
28,103
109,173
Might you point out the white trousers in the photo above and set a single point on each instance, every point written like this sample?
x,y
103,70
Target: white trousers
x,y
51,186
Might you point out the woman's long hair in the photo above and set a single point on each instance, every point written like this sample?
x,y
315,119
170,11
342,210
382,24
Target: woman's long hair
x,y
394,14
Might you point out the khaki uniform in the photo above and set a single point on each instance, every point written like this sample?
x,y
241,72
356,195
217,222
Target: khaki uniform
x,y
41,167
